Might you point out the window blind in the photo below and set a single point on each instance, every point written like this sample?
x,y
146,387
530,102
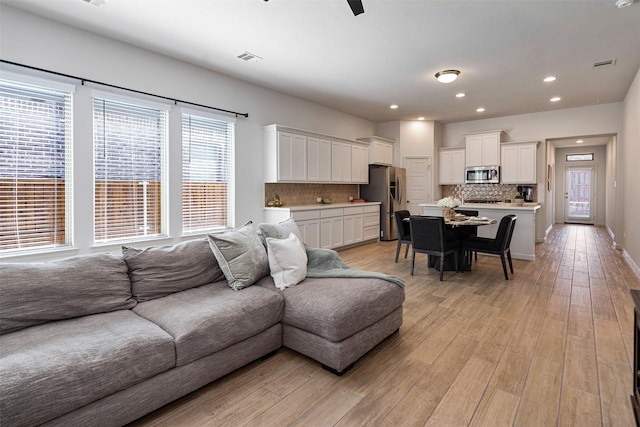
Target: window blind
x,y
207,147
129,146
35,165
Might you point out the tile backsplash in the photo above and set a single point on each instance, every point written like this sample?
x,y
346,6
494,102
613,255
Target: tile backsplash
x,y
484,191
306,194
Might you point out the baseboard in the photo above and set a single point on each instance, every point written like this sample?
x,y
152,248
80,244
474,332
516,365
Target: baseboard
x,y
547,231
631,262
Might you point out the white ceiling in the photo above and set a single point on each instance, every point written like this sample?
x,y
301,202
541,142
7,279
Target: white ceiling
x,y
317,49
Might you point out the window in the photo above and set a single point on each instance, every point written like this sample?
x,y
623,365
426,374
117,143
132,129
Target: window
x,y
35,164
579,157
129,157
207,147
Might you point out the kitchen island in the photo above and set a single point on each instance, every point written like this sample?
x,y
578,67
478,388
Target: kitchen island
x,y
523,243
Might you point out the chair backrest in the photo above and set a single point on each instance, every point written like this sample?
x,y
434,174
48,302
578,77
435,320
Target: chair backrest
x,y
403,227
505,231
466,212
427,233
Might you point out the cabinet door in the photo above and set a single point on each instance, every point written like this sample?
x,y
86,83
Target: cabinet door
x,y
527,164
510,165
318,159
359,164
490,150
331,232
445,167
381,153
292,157
473,150
340,162
353,229
457,167
310,231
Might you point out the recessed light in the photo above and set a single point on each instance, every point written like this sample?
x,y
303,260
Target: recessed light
x,y
550,79
393,107
480,110
447,76
555,99
579,141
460,95
420,118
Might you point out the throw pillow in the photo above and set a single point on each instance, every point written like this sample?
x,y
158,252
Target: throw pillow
x,y
280,230
160,271
241,255
287,261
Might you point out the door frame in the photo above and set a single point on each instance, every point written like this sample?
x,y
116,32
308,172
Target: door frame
x,y
593,195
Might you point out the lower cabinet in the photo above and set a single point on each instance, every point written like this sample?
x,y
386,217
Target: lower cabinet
x,y
332,227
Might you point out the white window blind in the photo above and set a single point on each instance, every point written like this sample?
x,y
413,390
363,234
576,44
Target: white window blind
x,y
35,165
207,147
129,147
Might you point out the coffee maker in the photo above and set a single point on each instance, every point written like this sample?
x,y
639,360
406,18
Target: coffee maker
x,y
526,192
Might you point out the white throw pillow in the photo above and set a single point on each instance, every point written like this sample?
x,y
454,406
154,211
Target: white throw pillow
x,y
287,261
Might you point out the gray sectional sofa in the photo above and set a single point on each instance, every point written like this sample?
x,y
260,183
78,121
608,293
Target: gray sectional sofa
x,y
104,339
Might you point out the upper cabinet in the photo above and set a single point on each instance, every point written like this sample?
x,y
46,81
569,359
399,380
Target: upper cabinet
x,y
483,148
451,164
518,162
380,150
293,155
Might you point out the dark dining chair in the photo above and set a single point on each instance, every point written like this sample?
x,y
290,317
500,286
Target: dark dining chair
x,y
404,231
500,245
429,237
467,231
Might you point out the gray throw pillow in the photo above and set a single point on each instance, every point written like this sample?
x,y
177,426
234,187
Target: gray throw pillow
x,y
280,230
161,271
241,255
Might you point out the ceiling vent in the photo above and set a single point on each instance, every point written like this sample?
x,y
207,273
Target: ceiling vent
x,y
96,2
605,63
249,57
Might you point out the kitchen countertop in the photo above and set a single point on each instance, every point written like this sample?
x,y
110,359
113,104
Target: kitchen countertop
x,y
500,205
321,206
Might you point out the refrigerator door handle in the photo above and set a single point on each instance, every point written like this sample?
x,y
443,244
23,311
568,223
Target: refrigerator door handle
x,y
399,184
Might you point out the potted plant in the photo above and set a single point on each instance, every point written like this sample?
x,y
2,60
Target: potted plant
x,y
448,204
519,200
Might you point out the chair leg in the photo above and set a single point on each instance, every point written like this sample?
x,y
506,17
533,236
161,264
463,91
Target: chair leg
x,y
509,258
398,250
441,266
406,251
413,260
504,267
456,259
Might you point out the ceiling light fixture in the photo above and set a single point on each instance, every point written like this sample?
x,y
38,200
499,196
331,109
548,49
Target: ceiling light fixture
x,y
480,110
420,118
579,141
96,2
460,95
555,99
623,3
447,76
393,107
549,79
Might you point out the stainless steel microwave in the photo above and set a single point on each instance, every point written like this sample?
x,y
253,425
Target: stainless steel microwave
x,y
482,175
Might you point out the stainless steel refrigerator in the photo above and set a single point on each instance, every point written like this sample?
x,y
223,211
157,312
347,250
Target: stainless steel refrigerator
x,y
386,185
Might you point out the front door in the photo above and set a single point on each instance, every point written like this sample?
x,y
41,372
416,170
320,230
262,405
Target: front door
x,y
579,194
418,182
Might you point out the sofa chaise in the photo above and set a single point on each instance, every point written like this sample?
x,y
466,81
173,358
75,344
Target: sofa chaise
x,y
103,339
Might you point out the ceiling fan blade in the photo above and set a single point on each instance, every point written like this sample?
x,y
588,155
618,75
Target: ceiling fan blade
x,y
356,7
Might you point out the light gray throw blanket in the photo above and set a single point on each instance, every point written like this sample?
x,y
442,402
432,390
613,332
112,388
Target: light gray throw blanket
x,y
324,263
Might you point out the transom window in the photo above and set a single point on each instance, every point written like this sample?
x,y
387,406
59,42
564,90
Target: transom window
x,y
129,157
35,165
207,157
579,157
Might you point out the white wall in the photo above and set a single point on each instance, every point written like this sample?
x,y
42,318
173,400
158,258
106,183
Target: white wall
x,y
629,179
38,42
600,163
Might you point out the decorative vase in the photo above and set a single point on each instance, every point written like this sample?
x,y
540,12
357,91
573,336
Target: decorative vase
x,y
448,213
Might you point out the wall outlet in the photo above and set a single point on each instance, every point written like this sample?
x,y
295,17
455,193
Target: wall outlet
x,y
319,200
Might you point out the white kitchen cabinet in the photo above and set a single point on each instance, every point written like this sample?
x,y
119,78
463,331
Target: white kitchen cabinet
x,y
371,222
353,225
451,165
318,159
340,162
518,162
483,148
380,150
291,157
331,228
359,164
308,223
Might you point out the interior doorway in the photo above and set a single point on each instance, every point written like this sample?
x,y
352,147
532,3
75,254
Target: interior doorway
x,y
579,194
418,182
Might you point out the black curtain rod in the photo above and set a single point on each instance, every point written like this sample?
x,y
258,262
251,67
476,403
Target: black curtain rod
x,y
83,80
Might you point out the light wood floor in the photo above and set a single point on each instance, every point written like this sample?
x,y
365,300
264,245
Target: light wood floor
x,y
550,347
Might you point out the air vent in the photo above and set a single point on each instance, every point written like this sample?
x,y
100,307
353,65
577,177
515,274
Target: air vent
x,y
605,63
96,2
249,57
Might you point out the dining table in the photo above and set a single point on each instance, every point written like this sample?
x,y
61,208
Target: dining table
x,y
460,226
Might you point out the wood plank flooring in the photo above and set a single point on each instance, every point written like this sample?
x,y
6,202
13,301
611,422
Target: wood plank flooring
x,y
551,347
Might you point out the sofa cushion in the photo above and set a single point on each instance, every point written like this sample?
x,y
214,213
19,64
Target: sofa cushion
x,y
39,292
280,230
160,271
212,317
337,308
287,261
51,369
241,255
